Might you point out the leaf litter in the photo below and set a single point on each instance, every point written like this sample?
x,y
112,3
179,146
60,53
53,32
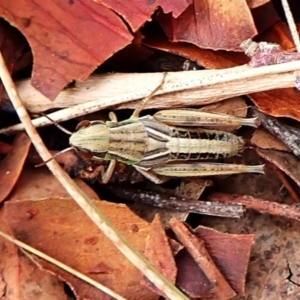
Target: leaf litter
x,y
83,247
12,165
52,222
76,45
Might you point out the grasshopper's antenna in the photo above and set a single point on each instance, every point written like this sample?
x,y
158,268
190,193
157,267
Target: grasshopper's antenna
x,y
58,126
61,152
55,155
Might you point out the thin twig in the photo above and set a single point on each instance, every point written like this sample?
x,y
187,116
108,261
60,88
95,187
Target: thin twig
x,y
192,87
88,206
176,203
62,266
291,23
260,205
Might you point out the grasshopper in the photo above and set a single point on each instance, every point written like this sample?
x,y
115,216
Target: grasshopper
x,y
167,144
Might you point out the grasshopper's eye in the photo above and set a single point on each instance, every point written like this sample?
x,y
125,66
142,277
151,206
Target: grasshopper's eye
x,y
83,124
86,123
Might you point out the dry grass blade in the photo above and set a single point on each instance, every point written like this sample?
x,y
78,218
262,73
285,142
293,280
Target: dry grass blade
x,y
82,199
291,22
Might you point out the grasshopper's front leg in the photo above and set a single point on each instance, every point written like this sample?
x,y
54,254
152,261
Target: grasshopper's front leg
x,y
106,175
195,118
197,169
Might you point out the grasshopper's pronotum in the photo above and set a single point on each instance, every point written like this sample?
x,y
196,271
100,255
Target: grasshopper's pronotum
x,y
157,148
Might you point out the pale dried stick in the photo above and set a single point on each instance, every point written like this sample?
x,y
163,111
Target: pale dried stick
x,y
117,89
291,23
62,266
204,87
87,205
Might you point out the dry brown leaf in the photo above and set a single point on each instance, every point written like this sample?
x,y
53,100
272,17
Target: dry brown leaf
x,y
5,148
76,36
190,278
256,3
9,265
278,103
37,284
2,286
286,162
233,106
14,48
102,267
159,253
265,140
136,13
62,230
203,57
21,279
11,166
39,183
195,24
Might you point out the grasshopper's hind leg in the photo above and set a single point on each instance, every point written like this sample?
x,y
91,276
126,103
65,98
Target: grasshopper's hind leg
x,y
195,118
144,102
204,169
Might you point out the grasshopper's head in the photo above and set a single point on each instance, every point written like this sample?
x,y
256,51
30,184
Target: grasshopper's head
x,y
93,137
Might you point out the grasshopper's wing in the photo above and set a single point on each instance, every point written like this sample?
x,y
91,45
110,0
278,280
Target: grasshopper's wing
x,y
195,118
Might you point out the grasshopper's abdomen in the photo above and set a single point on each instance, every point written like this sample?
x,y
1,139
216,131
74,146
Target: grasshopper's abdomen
x,y
199,144
167,144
